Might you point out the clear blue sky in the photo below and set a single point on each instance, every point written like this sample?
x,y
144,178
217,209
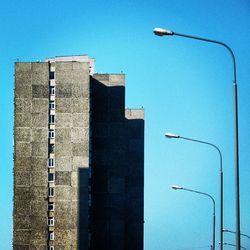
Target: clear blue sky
x,y
184,85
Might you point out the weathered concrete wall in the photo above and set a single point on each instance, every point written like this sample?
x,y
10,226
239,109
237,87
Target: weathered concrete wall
x,y
72,155
30,155
134,179
117,167
108,162
114,139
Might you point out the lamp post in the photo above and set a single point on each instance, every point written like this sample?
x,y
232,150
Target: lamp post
x,y
233,245
233,232
176,187
174,136
165,32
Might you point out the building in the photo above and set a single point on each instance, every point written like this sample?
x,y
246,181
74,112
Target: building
x,y
78,158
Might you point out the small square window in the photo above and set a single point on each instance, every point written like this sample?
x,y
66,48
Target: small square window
x,y
51,163
52,105
51,148
51,221
51,75
51,192
51,119
51,235
51,177
51,206
51,248
52,90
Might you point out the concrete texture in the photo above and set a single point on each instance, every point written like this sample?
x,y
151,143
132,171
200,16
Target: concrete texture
x,y
99,160
112,180
30,186
135,179
31,152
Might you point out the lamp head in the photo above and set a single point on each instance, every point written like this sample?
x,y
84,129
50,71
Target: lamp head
x,y
163,32
171,136
176,187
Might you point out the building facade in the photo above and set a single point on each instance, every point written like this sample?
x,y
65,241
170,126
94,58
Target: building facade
x,y
78,158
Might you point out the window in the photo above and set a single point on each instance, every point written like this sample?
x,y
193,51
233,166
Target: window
x,y
51,235
51,206
51,163
51,221
51,75
51,148
52,105
52,90
51,192
51,119
51,134
51,177
51,248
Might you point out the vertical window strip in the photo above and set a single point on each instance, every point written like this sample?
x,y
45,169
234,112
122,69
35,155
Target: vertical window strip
x,y
51,161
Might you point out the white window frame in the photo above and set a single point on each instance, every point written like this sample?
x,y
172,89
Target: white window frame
x,y
51,248
51,235
52,90
51,221
51,134
51,162
51,192
52,104
51,119
53,175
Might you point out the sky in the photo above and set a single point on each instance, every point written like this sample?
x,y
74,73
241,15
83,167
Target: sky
x,y
185,87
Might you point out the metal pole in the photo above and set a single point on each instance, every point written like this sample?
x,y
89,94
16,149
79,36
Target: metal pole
x,y
214,229
221,181
232,245
208,195
230,231
164,32
236,136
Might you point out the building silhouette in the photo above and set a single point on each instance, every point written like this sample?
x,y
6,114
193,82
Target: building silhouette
x,y
78,158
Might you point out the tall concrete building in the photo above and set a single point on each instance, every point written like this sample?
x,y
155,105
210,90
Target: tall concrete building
x,y
78,159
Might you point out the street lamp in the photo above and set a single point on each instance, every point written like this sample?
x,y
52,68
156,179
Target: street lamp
x,y
176,187
233,245
174,136
165,32
233,232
